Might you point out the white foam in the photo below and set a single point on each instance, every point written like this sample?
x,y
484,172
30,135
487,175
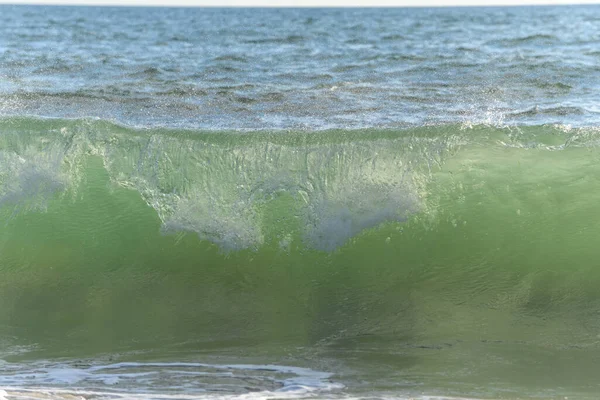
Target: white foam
x,y
58,394
29,180
222,190
177,380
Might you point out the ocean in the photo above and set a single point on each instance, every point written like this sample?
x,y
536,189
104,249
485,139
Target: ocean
x,y
249,204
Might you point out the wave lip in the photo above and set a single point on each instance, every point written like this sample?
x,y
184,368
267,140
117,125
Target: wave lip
x,y
225,186
221,184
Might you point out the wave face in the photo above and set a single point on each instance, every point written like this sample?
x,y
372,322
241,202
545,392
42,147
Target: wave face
x,y
385,251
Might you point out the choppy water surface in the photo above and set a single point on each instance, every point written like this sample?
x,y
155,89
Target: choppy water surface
x,y
277,204
307,69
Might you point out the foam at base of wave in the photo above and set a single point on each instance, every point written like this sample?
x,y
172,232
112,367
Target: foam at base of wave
x,y
159,380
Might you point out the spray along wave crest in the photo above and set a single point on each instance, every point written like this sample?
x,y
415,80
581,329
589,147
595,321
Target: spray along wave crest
x,y
219,184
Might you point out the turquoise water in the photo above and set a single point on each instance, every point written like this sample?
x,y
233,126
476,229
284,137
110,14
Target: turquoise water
x,y
266,212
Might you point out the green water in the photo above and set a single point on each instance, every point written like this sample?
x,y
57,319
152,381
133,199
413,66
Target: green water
x,y
442,260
